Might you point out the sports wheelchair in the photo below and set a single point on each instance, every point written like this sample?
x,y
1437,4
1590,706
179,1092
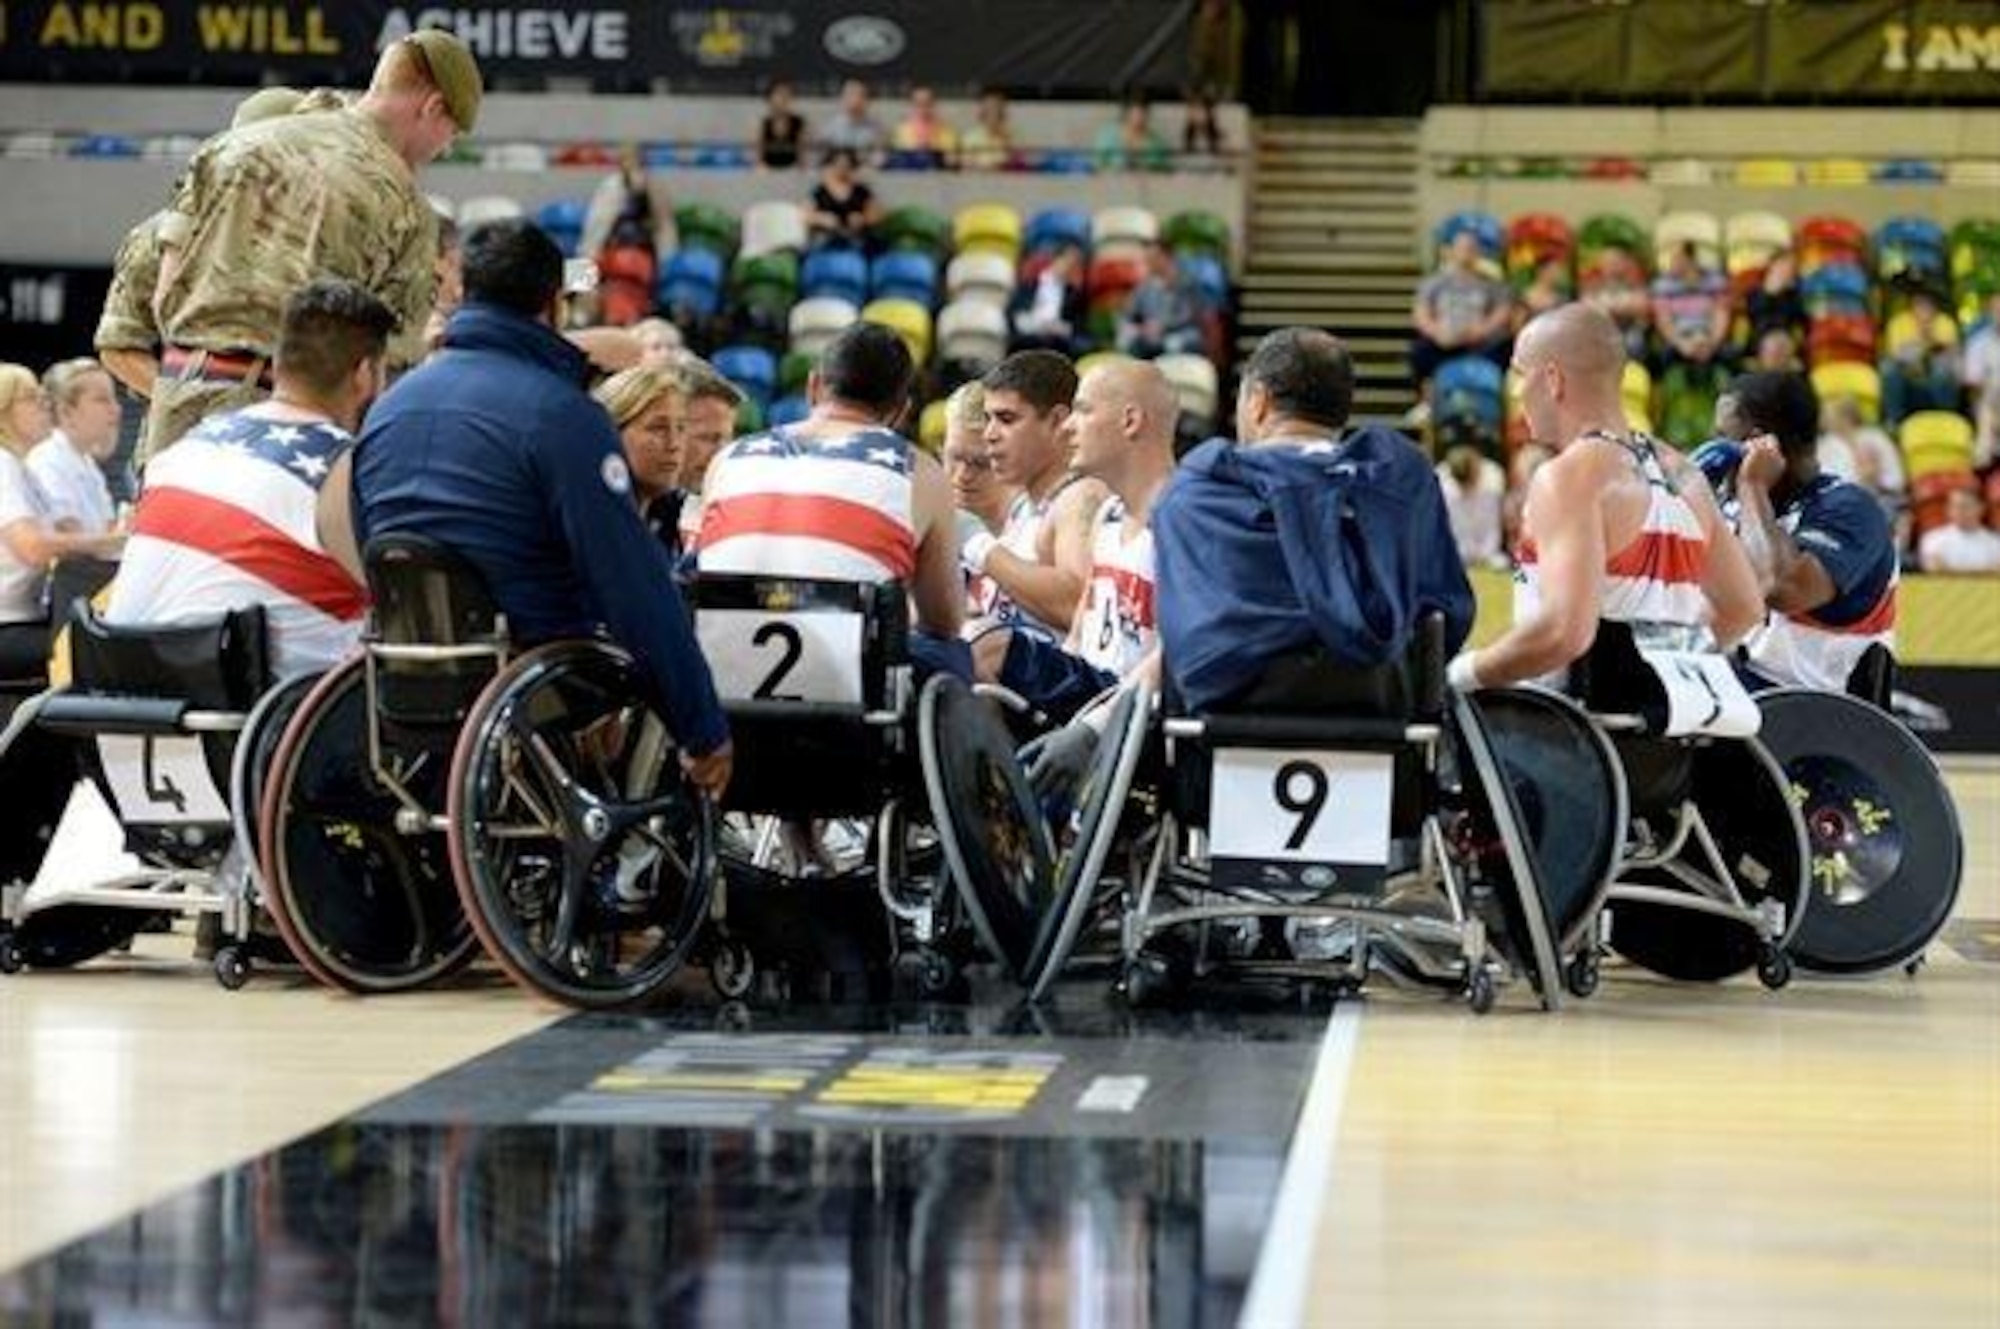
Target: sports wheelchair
x,y
438,791
1328,823
164,721
830,871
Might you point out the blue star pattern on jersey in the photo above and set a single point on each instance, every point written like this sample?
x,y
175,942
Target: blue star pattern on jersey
x,y
307,450
870,447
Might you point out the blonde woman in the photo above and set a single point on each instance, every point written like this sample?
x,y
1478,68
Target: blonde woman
x,y
645,407
30,538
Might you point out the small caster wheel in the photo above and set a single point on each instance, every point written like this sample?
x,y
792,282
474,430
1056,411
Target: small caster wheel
x,y
938,979
1583,974
11,959
1480,991
232,968
1914,964
1148,979
732,971
1774,968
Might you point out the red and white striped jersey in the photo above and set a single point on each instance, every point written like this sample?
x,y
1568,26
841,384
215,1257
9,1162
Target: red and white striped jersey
x,y
226,521
837,509
1118,625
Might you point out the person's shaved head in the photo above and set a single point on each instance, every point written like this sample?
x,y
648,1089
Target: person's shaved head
x,y
1571,362
1123,416
1139,385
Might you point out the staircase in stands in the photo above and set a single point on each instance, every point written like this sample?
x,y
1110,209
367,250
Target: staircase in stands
x,y
1334,243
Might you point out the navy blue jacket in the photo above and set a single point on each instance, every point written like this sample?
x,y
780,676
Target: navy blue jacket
x,y
493,449
1265,550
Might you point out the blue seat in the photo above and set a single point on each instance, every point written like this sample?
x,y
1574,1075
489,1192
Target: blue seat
x,y
839,273
1491,234
1067,163
787,411
563,219
1909,171
661,156
691,283
722,157
1836,288
1468,386
1208,276
905,275
105,146
1053,228
751,368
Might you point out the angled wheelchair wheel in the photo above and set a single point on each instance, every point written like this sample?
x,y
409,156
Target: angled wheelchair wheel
x,y
250,767
1887,850
989,824
361,905
1745,802
584,859
1100,805
66,935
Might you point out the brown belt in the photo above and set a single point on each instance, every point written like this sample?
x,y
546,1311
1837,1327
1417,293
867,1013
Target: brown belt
x,y
219,366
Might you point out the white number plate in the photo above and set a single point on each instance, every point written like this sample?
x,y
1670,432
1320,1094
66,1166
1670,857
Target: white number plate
x,y
1704,695
160,781
757,655
1301,807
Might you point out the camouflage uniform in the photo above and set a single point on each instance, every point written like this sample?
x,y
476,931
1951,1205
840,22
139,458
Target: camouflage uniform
x,y
261,211
127,321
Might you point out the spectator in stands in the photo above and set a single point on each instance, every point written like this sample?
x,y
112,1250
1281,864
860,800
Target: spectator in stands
x,y
1460,310
1475,495
709,403
660,342
1130,142
644,403
30,539
1690,310
978,493
1775,349
1163,316
924,141
1980,372
629,226
1874,462
989,144
853,127
229,515
68,463
1549,287
1775,301
1920,365
781,133
1964,544
1215,48
1048,312
844,210
1617,285
1202,146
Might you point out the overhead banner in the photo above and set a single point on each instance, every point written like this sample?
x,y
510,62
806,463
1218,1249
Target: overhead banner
x,y
1047,46
1736,50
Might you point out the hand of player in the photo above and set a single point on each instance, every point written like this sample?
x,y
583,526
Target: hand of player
x,y
710,773
1763,463
1057,761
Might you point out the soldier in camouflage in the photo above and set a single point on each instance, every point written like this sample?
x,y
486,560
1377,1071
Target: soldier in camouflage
x,y
266,209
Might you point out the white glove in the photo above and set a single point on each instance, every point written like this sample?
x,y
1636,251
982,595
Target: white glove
x,y
1461,675
976,550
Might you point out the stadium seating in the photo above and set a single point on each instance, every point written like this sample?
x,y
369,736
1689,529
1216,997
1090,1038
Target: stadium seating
x,y
1534,239
751,368
1751,239
773,227
788,410
1823,240
1838,171
1699,229
909,274
1127,227
487,208
980,276
701,226
907,318
1053,228
1484,226
972,335
1766,172
817,320
563,219
918,229
691,285
988,228
839,274
1853,379
1197,232
1195,383
1635,393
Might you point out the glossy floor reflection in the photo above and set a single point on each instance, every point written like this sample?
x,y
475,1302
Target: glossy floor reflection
x,y
437,1208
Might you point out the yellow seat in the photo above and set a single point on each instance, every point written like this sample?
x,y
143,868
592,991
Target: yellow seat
x,y
1754,238
1766,172
907,319
988,228
1635,392
931,427
1848,378
1699,229
1934,442
1837,171
1097,358
1902,328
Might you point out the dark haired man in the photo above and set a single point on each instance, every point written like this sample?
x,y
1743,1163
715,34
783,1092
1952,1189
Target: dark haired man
x,y
1033,571
1301,535
495,451
841,496
227,516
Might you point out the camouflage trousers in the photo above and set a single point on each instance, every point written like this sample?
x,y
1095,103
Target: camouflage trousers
x,y
181,403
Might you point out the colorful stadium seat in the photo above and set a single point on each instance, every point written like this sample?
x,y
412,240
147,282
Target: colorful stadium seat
x,y
1830,240
1635,394
1469,387
1700,229
487,208
704,227
908,319
691,285
772,227
1767,172
563,219
768,282
1197,232
1840,337
840,274
1536,238
916,228
1839,171
1853,379
988,228
1195,383
1909,171
978,276
1752,239
1610,230
751,368
972,334
1935,442
749,417
1912,250
814,322
1484,226
787,410
909,274
1123,225
932,425
1208,276
1053,228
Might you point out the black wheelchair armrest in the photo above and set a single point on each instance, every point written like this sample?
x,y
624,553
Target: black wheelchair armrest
x,y
86,715
808,712
1299,731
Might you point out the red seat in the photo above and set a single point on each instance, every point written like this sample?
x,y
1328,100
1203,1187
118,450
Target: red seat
x,y
1930,495
1113,277
1837,337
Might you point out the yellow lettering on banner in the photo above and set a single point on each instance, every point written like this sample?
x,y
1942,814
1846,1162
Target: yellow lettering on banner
x,y
104,27
1895,47
1960,50
223,27
145,28
59,28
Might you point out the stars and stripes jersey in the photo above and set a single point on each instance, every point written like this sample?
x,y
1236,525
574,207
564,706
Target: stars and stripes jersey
x,y
1842,527
1656,578
226,521
1021,536
839,509
1118,625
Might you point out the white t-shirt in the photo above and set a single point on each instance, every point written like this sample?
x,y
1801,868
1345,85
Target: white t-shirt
x,y
21,584
1477,523
1948,549
74,485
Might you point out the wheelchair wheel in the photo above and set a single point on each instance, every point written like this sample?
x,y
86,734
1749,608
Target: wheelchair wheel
x,y
1887,852
65,935
583,859
250,768
37,776
361,905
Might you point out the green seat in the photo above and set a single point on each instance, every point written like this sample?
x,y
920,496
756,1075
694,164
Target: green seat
x,y
793,371
1198,232
917,228
1610,230
766,277
703,226
749,417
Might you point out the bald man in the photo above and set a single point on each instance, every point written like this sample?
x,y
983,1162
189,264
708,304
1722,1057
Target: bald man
x,y
1120,431
1618,528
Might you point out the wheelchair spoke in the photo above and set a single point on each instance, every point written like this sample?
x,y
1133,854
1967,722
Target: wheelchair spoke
x,y
576,880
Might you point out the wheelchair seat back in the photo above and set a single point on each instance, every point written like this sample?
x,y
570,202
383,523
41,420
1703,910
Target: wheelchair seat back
x,y
161,707
815,678
1308,775
1873,678
435,634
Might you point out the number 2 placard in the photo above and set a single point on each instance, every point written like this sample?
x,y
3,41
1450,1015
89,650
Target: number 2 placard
x,y
757,655
1301,807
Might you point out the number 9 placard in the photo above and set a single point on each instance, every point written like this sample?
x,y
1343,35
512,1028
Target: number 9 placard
x,y
1301,806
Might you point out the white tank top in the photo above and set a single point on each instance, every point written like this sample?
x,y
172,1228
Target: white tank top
x,y
837,509
1020,534
1118,626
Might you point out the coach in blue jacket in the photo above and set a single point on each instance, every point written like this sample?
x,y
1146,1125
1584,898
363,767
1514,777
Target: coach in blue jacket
x,y
492,449
1301,534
